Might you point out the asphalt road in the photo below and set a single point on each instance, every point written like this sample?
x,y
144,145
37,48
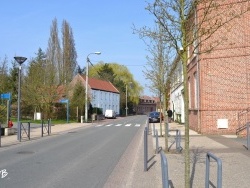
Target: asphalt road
x,y
82,158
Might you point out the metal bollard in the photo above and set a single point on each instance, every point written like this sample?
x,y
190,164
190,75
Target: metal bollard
x,y
49,126
28,130
178,140
219,170
248,138
154,129
148,127
145,149
164,170
157,142
42,129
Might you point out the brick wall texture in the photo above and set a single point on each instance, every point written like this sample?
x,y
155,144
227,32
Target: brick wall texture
x,y
223,73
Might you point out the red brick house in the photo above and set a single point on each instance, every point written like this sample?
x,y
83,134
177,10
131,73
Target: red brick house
x,y
147,104
219,81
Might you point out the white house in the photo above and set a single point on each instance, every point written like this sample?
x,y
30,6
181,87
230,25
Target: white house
x,y
102,94
176,94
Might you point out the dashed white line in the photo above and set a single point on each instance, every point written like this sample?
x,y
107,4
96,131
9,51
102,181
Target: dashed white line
x,y
127,125
118,125
137,125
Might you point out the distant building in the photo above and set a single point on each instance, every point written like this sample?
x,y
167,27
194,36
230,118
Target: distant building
x,y
146,104
102,94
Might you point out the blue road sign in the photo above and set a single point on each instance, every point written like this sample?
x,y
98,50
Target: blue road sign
x,y
5,96
64,101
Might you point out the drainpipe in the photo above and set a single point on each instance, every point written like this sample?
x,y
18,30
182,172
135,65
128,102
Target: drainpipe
x,y
198,78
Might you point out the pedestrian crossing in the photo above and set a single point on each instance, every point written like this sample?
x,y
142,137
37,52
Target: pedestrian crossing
x,y
118,125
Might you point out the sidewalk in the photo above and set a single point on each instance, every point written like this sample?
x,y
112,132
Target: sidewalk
x,y
35,133
235,159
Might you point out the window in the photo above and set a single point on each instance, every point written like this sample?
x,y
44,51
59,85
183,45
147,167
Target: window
x,y
189,93
195,91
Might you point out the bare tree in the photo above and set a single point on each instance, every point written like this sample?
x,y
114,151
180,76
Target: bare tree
x,y
69,64
158,66
4,75
54,67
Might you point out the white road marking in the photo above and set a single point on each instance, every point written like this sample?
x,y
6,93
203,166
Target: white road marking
x,y
98,125
118,125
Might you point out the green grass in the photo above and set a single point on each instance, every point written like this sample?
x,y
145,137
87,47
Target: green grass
x,y
53,121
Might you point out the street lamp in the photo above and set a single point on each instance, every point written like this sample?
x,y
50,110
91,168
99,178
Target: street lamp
x,y
127,98
20,61
86,86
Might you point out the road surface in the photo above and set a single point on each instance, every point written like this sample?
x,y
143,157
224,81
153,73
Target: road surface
x,y
81,158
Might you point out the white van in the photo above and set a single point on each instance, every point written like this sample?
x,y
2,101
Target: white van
x,y
110,114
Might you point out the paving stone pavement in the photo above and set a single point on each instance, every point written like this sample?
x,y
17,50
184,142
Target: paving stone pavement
x,y
234,156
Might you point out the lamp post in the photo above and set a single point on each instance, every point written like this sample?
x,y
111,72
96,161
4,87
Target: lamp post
x,y
86,86
127,98
20,61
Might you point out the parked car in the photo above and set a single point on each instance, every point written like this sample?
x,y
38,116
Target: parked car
x,y
154,117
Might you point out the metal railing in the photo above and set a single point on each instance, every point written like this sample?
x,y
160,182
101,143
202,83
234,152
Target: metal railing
x,y
248,138
46,128
156,142
219,170
177,139
25,130
164,170
148,128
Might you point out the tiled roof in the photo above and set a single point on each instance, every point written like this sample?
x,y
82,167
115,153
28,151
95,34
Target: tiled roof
x,y
145,97
101,85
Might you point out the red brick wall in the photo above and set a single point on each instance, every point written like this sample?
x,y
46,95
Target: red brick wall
x,y
224,77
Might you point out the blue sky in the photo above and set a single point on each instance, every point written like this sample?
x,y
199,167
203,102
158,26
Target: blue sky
x,y
98,25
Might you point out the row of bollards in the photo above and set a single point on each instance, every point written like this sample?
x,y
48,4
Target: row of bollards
x,y
164,163
25,130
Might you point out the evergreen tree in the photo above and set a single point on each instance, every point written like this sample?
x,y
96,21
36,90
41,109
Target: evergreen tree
x,y
76,101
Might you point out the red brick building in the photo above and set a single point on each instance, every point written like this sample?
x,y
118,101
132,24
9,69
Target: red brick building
x,y
219,81
147,104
